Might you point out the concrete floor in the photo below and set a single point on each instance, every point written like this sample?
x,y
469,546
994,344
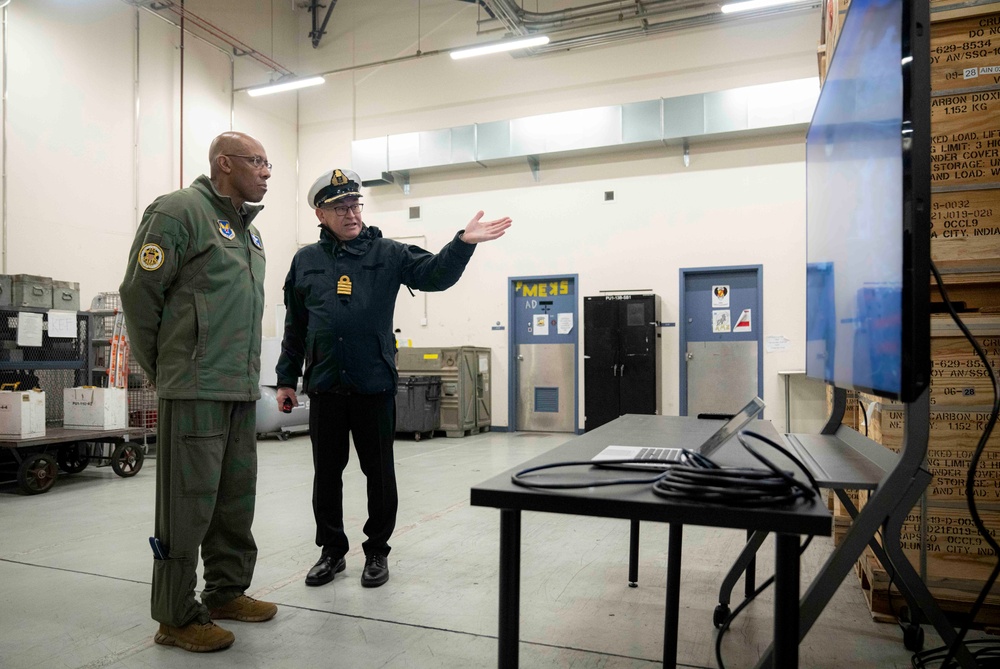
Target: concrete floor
x,y
75,569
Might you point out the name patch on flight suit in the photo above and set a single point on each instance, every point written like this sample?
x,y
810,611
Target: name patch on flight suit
x,y
344,286
150,257
256,241
226,230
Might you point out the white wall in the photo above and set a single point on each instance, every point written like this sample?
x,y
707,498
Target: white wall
x,y
740,202
75,187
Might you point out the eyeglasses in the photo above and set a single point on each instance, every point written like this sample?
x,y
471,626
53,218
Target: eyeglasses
x,y
342,209
256,161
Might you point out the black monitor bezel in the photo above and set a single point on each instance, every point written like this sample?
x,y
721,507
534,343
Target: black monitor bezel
x,y
915,155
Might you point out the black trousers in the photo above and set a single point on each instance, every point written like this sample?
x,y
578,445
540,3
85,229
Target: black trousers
x,y
371,421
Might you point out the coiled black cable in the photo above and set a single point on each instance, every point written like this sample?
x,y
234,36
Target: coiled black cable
x,y
704,481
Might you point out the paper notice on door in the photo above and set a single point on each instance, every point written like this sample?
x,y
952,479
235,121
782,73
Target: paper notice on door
x,y
541,322
743,324
720,297
564,323
720,320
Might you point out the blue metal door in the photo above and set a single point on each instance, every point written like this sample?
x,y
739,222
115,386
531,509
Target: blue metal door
x,y
543,345
721,339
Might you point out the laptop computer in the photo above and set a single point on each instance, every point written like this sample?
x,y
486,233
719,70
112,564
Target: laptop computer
x,y
659,458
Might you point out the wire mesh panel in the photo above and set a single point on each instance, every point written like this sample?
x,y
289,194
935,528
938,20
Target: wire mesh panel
x,y
36,351
142,400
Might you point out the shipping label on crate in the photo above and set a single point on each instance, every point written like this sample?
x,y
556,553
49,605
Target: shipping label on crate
x,y
958,558
964,227
965,53
958,376
954,435
965,140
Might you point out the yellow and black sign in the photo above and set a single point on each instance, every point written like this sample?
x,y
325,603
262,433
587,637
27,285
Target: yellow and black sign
x,y
542,289
344,285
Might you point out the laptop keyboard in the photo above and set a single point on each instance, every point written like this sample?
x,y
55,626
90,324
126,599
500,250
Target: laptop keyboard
x,y
658,454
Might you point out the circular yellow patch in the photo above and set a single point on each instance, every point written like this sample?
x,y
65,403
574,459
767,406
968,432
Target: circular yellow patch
x,y
150,257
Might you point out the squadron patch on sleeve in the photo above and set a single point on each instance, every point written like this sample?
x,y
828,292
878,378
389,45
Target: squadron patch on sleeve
x,y
150,257
226,230
256,241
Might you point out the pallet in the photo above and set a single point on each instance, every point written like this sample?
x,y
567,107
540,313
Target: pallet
x,y
886,606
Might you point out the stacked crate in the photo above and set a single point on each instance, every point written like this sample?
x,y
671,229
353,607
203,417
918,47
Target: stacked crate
x,y
965,246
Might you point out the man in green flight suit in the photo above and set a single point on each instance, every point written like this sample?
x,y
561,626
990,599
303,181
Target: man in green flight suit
x,y
193,298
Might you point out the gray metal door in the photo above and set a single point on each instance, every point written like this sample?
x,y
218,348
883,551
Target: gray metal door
x,y
543,340
721,339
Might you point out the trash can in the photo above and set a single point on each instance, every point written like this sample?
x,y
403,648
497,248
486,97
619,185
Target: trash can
x,y
418,405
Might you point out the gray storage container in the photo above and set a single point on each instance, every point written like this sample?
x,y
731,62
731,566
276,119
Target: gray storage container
x,y
31,291
418,405
465,397
5,288
66,295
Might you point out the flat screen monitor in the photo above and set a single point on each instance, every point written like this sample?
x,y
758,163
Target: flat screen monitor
x,y
868,205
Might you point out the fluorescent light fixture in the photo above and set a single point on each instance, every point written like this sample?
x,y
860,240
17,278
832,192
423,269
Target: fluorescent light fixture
x,y
281,86
497,47
754,4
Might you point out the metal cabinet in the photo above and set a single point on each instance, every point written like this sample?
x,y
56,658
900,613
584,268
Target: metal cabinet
x,y
620,357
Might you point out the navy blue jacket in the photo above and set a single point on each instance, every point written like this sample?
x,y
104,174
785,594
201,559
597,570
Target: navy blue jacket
x,y
339,303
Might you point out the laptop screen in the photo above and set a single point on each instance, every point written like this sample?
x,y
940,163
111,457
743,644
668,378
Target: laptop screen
x,y
732,426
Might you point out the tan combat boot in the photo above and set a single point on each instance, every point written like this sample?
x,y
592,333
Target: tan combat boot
x,y
196,637
245,609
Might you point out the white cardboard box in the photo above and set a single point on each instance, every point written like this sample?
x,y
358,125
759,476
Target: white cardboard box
x,y
22,414
93,408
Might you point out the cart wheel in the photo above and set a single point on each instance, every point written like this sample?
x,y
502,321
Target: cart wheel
x,y
72,459
282,436
416,436
720,615
913,638
126,460
37,473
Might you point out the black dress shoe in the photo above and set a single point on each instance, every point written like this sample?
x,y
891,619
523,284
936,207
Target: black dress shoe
x,y
376,571
323,571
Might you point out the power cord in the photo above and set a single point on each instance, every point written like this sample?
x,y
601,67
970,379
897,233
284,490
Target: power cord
x,y
743,486
990,650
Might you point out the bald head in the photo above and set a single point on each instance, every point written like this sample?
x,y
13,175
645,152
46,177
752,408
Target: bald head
x,y
232,156
231,143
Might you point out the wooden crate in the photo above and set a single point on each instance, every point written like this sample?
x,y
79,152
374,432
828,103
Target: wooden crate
x,y
958,376
954,433
886,605
965,230
964,53
965,139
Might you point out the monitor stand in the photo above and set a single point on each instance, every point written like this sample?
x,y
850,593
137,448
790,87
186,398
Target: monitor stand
x,y
842,459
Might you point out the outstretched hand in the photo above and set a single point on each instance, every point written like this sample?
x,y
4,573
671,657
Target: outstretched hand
x,y
479,230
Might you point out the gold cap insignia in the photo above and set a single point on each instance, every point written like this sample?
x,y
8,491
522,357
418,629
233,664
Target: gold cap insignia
x,y
338,178
344,285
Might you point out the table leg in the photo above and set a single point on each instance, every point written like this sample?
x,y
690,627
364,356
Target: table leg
x,y
633,555
510,588
673,595
786,601
750,575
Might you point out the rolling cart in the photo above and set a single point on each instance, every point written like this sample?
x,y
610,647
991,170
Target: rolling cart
x,y
39,459
53,362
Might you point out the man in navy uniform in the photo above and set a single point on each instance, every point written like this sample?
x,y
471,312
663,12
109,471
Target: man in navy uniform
x,y
339,298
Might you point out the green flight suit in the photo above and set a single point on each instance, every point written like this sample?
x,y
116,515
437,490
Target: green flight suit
x,y
193,298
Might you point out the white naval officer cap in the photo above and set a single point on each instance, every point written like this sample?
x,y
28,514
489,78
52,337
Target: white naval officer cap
x,y
332,186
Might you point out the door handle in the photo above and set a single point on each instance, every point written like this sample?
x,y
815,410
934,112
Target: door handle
x,y
520,357
614,369
623,369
